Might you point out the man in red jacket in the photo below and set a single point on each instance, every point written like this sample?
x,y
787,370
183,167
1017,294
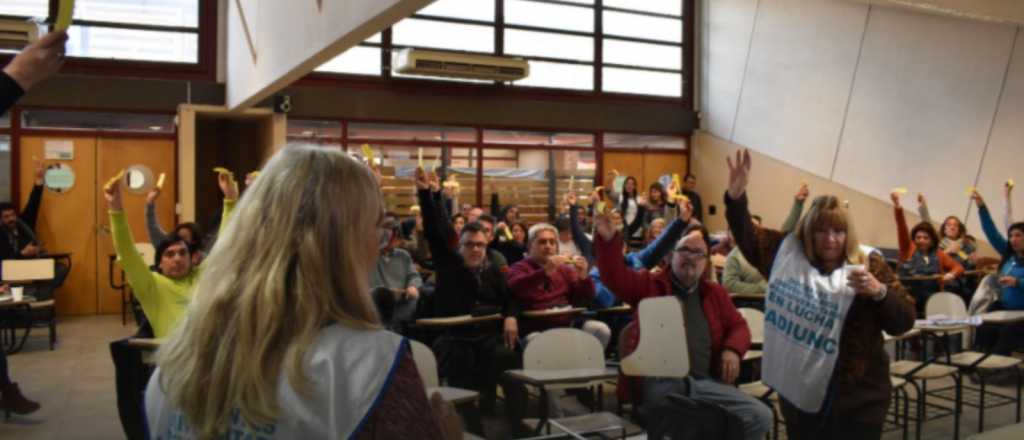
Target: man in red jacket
x,y
547,280
716,335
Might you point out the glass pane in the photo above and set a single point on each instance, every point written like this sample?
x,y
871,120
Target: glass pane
x,y
455,36
359,130
468,9
311,129
642,54
125,44
359,60
574,170
544,44
5,167
642,82
183,13
634,140
375,38
559,75
669,7
561,17
25,8
136,122
5,120
641,26
538,138
521,180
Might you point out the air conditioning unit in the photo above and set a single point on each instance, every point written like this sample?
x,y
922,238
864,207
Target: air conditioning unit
x,y
459,65
16,34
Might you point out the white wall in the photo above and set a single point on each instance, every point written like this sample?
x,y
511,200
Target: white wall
x,y
868,97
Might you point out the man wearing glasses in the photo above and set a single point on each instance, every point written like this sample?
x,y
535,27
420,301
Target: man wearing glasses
x,y
716,335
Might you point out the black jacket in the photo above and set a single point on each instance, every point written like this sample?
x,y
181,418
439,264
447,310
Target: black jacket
x,y
10,244
461,290
10,92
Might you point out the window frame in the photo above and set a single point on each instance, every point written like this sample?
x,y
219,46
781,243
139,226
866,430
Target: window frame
x,y
205,68
686,72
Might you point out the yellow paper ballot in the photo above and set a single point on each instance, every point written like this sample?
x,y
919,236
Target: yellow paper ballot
x,y
678,183
160,180
970,190
435,164
368,153
420,157
222,170
572,179
113,180
900,190
508,233
64,14
1009,183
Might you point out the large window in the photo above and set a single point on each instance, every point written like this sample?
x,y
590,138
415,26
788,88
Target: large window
x,y
529,168
140,30
626,46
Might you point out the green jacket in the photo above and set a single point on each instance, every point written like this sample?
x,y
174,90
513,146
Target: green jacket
x,y
163,299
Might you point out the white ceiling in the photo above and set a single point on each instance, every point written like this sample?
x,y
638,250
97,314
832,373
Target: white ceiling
x,y
999,11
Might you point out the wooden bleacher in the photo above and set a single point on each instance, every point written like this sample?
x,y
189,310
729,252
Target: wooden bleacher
x,y
530,195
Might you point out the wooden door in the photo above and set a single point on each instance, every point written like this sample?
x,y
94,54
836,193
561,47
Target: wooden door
x,y
627,164
67,221
114,155
645,166
659,164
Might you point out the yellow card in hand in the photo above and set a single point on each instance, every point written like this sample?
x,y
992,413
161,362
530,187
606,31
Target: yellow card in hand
x,y
572,179
222,170
420,158
1009,183
435,164
900,190
64,14
160,180
113,180
970,190
368,153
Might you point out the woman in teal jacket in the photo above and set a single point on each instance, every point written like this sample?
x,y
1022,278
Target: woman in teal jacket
x,y
1003,339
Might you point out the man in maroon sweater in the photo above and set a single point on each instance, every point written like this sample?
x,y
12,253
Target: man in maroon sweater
x,y
717,336
547,280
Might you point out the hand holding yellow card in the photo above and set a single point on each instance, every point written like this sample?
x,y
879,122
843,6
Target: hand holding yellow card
x,y
368,154
420,158
160,181
901,190
572,179
970,191
113,180
1009,183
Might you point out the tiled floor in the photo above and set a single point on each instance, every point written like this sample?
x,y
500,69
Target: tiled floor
x,y
75,385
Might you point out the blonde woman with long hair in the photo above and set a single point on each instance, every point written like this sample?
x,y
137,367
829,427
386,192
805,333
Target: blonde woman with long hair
x,y
282,339
829,300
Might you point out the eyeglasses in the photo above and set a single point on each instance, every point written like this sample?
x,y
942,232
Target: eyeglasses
x,y
690,252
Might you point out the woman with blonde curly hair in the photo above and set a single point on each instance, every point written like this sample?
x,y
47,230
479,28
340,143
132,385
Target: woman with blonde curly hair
x,y
281,339
828,302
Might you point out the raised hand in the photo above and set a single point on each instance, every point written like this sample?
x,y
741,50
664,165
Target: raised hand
x,y
228,186
152,195
570,199
739,173
803,192
895,197
421,179
40,172
603,226
977,198
113,195
38,61
1008,188
921,200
